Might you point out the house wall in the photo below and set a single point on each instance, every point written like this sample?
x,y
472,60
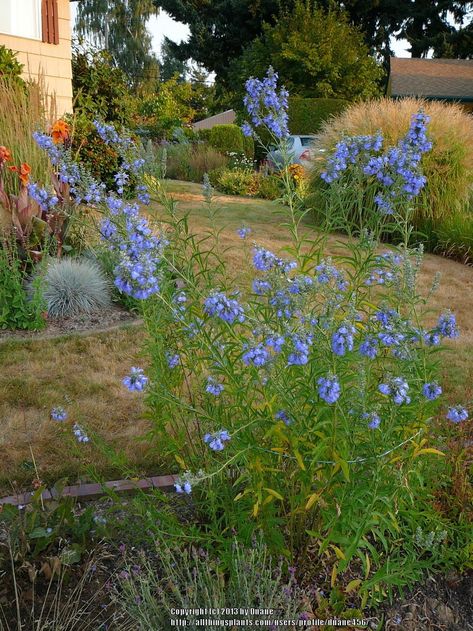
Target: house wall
x,y
51,61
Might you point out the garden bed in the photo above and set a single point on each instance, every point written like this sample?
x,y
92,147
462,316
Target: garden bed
x,y
85,323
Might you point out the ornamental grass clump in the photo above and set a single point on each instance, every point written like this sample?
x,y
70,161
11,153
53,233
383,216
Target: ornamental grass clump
x,y
71,287
447,166
299,406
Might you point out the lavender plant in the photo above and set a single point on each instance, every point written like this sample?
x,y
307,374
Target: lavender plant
x,y
299,405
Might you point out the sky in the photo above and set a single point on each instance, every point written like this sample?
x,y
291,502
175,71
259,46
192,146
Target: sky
x,y
163,25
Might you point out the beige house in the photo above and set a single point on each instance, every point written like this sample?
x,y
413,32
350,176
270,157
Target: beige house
x,y
40,32
224,118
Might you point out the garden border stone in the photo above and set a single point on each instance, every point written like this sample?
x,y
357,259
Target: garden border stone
x,y
94,490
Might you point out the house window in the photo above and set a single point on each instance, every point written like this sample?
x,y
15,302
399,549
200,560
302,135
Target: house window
x,y
21,18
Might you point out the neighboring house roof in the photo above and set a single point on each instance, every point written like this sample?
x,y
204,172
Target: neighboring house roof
x,y
223,118
446,79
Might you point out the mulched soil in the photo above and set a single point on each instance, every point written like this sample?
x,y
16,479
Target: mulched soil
x,y
99,322
441,603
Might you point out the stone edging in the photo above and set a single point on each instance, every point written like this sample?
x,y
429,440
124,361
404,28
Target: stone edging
x,y
93,490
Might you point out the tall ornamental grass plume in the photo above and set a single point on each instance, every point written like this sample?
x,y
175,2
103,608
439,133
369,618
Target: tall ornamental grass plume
x,y
71,287
448,166
297,407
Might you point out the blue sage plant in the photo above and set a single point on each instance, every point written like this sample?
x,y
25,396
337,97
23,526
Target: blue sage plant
x,y
365,178
297,403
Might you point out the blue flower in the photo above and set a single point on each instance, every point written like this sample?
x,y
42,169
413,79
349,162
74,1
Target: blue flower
x,y
447,325
431,391
264,260
58,414
276,342
267,107
183,487
79,433
227,309
261,286
283,416
300,355
136,380
41,196
214,387
172,359
369,347
258,356
217,441
398,389
329,389
457,414
243,232
374,419
342,339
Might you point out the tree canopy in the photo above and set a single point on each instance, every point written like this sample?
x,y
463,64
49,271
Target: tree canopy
x,y
316,53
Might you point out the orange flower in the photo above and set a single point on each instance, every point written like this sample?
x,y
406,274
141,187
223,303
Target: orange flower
x,y
60,131
5,154
23,172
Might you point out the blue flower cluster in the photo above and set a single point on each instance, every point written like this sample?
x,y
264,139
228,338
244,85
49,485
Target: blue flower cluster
x,y
217,441
41,196
79,433
373,418
243,232
257,356
431,391
172,359
136,381
397,171
342,339
457,414
139,250
301,349
214,387
329,389
227,309
267,107
396,388
265,260
283,416
183,486
58,414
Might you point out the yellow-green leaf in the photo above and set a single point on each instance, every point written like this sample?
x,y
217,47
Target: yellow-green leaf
x,y
299,459
368,566
352,585
333,579
338,552
429,450
312,500
277,495
255,508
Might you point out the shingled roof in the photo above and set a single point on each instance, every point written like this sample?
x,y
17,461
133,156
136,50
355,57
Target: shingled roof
x,y
446,79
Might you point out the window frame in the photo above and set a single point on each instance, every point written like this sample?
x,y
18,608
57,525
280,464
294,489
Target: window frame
x,y
39,22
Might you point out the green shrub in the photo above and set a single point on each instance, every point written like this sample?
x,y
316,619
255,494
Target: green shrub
x,y
73,286
10,67
448,167
249,147
236,182
227,138
203,135
270,187
16,310
306,116
190,162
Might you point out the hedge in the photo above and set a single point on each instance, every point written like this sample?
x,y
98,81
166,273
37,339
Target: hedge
x,y
306,116
227,138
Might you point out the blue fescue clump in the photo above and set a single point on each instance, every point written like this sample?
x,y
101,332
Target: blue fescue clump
x,y
74,286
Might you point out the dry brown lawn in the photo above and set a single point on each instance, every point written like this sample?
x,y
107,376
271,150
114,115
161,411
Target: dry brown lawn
x,y
84,374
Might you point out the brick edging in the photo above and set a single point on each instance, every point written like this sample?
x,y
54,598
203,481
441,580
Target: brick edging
x,y
93,490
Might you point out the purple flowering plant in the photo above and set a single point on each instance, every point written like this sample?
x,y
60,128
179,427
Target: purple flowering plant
x,y
314,384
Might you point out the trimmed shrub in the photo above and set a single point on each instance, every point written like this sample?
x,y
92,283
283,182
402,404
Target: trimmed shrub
x,y
10,67
73,286
227,138
448,167
249,147
306,116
